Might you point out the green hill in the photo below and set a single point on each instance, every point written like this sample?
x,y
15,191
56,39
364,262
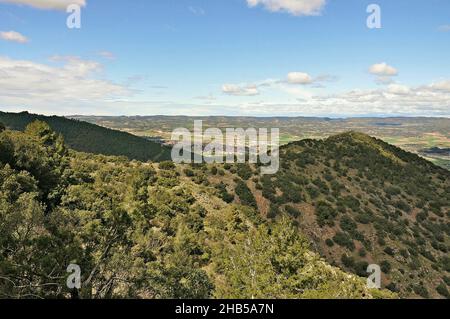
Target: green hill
x,y
148,230
360,201
90,138
142,230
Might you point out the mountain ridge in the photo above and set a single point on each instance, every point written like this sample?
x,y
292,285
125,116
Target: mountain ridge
x,y
91,138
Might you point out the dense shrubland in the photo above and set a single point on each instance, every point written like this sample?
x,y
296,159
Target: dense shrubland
x,y
142,230
86,137
364,201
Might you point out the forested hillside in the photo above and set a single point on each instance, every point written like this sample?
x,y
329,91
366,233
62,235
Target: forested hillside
x,y
142,230
86,137
360,201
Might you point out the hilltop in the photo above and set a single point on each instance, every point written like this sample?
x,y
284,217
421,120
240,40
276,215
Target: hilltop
x,y
90,138
360,201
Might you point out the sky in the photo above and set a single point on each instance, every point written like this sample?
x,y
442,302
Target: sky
x,y
226,57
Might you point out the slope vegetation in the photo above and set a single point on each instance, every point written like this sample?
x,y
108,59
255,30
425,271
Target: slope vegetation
x,y
86,137
142,230
360,201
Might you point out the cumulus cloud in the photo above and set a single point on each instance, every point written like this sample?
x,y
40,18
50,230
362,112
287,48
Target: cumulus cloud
x,y
442,86
444,28
70,80
394,99
398,89
384,72
240,90
13,36
291,84
47,4
383,69
299,78
294,7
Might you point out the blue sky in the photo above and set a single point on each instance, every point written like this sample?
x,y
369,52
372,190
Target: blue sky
x,y
226,57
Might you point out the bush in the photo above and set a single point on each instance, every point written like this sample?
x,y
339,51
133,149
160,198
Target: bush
x,y
244,171
446,280
361,268
325,214
245,195
313,192
385,266
348,261
273,211
442,290
223,193
329,242
362,252
445,263
167,166
421,291
392,287
294,212
389,251
347,224
344,240
188,172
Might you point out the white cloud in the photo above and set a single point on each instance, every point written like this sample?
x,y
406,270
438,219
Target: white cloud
x,y
383,69
384,72
442,86
299,78
240,90
293,85
394,99
47,4
69,80
294,7
398,89
13,36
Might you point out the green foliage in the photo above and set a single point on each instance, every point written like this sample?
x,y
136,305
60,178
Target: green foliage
x,y
244,171
276,263
292,211
329,242
443,291
59,207
362,252
421,291
86,137
223,193
167,165
344,240
141,230
385,266
325,214
245,195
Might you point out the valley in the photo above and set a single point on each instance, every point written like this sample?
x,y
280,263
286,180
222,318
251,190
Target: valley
x,y
411,134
